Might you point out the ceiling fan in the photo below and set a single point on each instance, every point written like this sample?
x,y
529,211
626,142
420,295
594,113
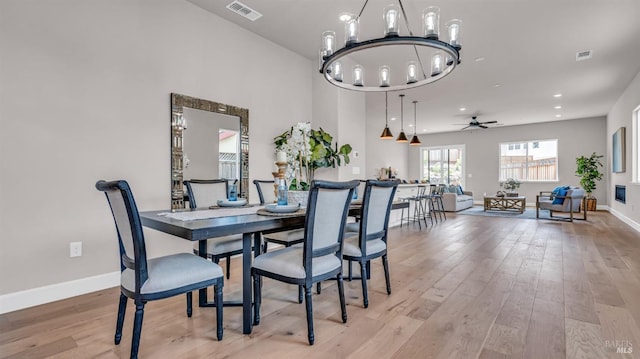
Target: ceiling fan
x,y
474,123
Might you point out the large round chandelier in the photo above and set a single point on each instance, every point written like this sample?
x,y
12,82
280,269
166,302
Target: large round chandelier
x,y
444,56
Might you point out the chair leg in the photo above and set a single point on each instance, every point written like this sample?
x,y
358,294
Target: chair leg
x,y
309,306
137,330
300,295
350,271
363,276
189,304
219,306
385,265
257,299
318,287
343,305
228,267
122,309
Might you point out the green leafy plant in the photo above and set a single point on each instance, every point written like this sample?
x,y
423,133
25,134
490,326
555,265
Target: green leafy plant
x,y
308,150
511,184
588,169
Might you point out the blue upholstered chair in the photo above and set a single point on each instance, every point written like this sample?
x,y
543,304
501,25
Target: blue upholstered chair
x,y
204,194
320,256
144,280
367,239
566,200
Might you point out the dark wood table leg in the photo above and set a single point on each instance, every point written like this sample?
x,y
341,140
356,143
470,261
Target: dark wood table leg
x,y
247,299
202,293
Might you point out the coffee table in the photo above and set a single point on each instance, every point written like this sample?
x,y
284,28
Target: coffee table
x,y
493,203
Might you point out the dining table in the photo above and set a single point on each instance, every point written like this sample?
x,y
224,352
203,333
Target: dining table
x,y
203,223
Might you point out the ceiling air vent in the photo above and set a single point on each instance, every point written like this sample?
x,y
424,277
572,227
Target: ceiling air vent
x,y
244,10
583,55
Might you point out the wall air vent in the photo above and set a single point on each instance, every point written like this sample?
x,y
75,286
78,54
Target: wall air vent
x,y
244,10
583,55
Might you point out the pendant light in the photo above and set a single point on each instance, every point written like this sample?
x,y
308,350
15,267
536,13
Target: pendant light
x,y
402,137
386,133
415,140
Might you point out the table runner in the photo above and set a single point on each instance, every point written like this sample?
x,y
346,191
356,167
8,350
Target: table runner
x,y
211,213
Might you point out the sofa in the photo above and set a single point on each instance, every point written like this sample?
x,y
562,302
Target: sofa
x,y
454,201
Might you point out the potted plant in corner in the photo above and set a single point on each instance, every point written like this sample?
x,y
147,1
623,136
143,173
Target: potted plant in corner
x,y
588,169
308,150
511,185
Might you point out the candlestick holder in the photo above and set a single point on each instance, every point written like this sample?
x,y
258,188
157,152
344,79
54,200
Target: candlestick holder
x,y
282,170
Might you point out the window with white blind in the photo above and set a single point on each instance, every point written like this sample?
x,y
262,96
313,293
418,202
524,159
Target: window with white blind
x,y
531,161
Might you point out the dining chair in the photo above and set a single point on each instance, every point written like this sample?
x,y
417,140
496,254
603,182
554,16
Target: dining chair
x,y
369,241
320,256
143,279
285,238
206,193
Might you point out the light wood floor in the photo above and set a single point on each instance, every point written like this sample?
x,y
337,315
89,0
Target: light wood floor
x,y
470,287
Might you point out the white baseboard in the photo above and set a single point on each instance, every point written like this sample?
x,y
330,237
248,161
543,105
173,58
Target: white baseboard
x,y
50,293
633,224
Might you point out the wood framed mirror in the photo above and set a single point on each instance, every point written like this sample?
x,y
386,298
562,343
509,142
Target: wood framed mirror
x,y
203,136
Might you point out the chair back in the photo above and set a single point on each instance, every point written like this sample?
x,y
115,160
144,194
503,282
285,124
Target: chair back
x,y
133,253
265,191
327,211
573,199
376,207
206,193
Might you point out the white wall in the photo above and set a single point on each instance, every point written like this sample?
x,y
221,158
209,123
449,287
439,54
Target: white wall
x,y
575,138
84,91
621,116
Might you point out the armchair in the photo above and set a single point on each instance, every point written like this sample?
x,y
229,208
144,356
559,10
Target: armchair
x,y
567,202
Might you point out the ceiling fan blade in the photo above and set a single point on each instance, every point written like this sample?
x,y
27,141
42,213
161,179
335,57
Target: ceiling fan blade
x,y
482,126
484,123
464,128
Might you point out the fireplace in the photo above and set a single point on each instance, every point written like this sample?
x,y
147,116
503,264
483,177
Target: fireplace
x,y
621,193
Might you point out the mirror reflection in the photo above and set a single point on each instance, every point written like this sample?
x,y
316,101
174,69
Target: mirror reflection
x,y
209,141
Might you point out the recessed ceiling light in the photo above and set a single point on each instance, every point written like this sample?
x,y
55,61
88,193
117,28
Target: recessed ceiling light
x,y
497,85
425,130
345,16
557,95
393,118
410,125
557,107
558,115
478,59
462,109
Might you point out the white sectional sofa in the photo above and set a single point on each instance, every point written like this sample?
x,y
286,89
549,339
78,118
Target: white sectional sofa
x,y
457,202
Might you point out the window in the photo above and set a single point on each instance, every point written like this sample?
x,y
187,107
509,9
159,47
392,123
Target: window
x,y
529,160
443,165
635,154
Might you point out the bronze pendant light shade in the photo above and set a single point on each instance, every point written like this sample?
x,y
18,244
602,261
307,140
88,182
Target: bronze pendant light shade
x,y
386,133
402,137
415,141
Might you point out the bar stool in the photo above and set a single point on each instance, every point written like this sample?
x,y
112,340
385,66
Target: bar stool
x,y
419,208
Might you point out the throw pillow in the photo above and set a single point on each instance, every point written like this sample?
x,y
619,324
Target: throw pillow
x,y
453,189
561,192
459,190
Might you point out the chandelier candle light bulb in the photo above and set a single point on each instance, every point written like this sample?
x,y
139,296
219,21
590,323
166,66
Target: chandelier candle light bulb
x,y
337,71
412,72
454,33
431,22
358,76
390,17
436,64
384,76
351,31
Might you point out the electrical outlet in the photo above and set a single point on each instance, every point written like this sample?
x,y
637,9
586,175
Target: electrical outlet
x,y
75,249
